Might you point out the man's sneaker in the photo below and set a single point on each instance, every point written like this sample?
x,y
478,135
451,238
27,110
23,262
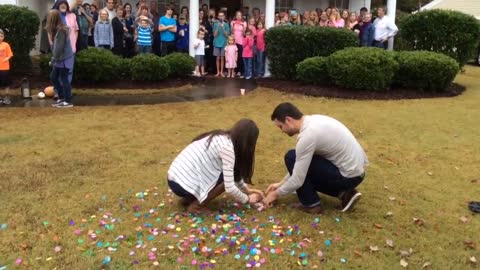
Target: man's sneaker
x,y
349,198
65,105
58,102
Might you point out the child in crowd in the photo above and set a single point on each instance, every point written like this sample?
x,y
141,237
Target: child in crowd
x,y
144,35
247,53
182,34
5,55
199,45
231,54
252,25
103,35
260,50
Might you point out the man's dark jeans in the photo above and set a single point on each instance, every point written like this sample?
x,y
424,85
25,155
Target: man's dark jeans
x,y
322,177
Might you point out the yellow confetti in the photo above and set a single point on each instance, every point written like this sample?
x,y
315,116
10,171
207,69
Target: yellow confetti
x,y
49,259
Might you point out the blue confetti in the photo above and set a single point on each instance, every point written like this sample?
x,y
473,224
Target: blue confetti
x,y
106,260
328,242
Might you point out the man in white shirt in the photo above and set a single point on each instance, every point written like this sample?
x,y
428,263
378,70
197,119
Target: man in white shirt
x,y
326,159
111,10
385,29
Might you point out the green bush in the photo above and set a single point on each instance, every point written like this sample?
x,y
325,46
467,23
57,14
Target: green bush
x,y
44,66
20,26
425,70
313,70
149,67
362,68
449,32
124,70
97,65
289,45
181,65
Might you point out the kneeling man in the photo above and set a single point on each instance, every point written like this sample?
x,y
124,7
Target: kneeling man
x,y
326,159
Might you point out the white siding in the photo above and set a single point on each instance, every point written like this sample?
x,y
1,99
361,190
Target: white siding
x,y
8,2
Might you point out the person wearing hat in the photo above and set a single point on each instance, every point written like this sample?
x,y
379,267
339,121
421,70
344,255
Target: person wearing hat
x,y
84,21
182,34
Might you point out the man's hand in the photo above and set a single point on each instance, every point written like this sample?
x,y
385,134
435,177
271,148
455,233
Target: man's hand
x,y
256,191
273,187
254,198
270,198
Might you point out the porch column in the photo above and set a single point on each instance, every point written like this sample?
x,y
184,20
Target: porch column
x,y
194,24
269,22
392,11
368,4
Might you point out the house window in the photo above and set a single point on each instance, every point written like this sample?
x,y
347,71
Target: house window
x,y
283,5
340,4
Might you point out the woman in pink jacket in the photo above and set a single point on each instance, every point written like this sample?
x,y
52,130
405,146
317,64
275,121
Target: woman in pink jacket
x,y
247,53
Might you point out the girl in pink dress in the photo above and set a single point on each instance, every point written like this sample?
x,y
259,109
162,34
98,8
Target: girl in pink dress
x,y
231,54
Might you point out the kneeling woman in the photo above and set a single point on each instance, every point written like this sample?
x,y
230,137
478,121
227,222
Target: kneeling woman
x,y
214,162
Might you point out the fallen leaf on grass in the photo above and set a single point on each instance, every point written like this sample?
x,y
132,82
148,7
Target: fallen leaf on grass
x,y
464,219
430,173
378,226
391,198
389,243
418,221
374,248
469,244
388,214
358,253
473,259
405,253
403,263
427,264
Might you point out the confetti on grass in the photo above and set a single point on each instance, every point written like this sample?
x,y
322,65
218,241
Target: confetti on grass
x,y
191,240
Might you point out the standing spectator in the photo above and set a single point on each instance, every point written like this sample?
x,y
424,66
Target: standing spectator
x,y
328,10
144,35
167,27
260,52
319,11
221,30
345,17
246,13
185,13
363,11
352,21
284,19
84,20
312,19
295,18
94,14
253,27
306,15
205,8
238,26
62,58
247,55
324,20
211,68
156,45
120,30
335,19
385,29
231,56
5,56
129,23
262,17
111,10
256,14
103,31
277,17
367,31
70,20
199,46
182,34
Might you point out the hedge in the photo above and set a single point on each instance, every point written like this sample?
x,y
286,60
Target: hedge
x,y
97,65
362,68
181,65
449,32
425,70
289,45
20,26
149,67
314,71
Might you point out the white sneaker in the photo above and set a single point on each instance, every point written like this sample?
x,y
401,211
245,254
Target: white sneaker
x,y
65,105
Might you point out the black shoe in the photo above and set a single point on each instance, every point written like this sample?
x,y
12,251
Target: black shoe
x,y
474,207
349,199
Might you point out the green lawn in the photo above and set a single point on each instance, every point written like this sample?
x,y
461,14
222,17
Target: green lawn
x,y
58,166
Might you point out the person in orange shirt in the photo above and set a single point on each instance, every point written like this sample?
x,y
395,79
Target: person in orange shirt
x,y
5,55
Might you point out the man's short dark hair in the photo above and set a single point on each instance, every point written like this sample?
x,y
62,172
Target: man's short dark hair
x,y
286,109
364,9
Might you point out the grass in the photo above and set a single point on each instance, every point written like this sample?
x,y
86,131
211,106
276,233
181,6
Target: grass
x,y
61,165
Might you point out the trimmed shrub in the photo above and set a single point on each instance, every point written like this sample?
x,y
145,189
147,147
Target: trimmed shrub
x,y
289,45
181,65
362,68
96,65
43,63
149,67
124,69
449,32
425,70
20,26
313,70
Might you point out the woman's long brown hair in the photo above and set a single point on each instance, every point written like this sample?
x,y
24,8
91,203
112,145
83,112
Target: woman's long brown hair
x,y
54,23
244,135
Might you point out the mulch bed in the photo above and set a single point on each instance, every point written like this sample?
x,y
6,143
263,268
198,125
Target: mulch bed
x,y
336,92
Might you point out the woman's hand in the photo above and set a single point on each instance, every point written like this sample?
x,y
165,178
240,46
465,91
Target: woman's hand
x,y
273,187
254,198
256,191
